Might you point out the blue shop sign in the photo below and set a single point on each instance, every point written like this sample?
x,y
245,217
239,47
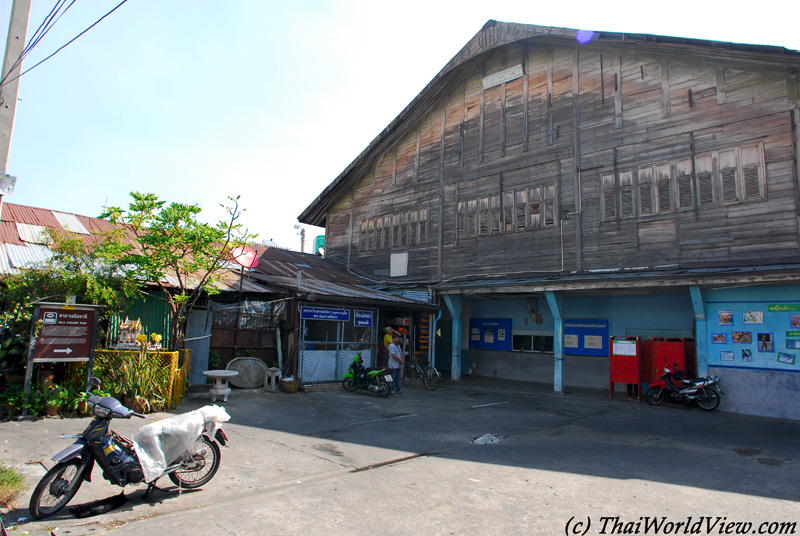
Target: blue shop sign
x,y
363,319
324,313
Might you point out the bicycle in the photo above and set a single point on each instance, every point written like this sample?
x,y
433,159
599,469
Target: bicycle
x,y
430,376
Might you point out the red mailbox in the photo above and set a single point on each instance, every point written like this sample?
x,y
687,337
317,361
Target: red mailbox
x,y
675,353
630,358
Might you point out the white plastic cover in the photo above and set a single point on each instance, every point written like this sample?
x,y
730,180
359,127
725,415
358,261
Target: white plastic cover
x,y
165,441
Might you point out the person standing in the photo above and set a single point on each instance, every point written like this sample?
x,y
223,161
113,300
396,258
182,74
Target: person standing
x,y
395,363
387,340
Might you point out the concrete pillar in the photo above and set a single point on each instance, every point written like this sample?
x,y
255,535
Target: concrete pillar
x,y
454,306
701,341
554,301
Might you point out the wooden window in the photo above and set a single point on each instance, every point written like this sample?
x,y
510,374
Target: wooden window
x,y
422,227
461,217
683,182
403,232
496,215
371,234
362,242
549,206
387,232
609,197
508,211
520,206
728,162
380,238
626,194
646,190
535,207
412,228
483,216
396,231
752,158
704,166
664,188
472,217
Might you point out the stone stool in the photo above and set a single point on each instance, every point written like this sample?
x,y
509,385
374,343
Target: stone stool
x,y
272,378
220,387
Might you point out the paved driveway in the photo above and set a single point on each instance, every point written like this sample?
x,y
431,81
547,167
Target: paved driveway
x,y
330,462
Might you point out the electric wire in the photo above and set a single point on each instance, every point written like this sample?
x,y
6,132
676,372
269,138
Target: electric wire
x,y
44,27
65,45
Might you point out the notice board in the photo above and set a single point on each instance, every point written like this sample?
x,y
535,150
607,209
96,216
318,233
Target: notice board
x,y
586,337
490,334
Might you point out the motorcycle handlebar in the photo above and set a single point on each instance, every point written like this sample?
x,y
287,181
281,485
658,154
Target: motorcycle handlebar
x,y
138,415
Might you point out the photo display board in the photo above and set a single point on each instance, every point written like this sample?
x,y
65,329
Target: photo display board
x,y
758,335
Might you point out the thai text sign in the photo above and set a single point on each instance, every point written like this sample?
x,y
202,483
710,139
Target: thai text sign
x,y
512,73
325,313
65,334
363,319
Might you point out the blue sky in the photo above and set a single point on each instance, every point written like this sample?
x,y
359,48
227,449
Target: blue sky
x,y
198,100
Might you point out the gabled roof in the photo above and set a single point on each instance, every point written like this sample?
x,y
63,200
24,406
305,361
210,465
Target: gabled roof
x,y
496,34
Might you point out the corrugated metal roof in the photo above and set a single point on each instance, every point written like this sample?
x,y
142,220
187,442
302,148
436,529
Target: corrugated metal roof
x,y
5,263
28,256
9,233
30,215
32,234
71,223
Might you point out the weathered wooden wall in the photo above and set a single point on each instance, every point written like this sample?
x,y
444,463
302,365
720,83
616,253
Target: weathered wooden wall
x,y
625,112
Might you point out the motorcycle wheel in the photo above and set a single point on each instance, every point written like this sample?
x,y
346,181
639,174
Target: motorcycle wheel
x,y
432,378
56,488
383,390
708,399
654,396
349,384
200,467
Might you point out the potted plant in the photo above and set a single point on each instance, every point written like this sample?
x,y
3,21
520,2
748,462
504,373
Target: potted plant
x,y
53,397
140,378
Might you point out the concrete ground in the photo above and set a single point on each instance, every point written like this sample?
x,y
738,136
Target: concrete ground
x,y
326,461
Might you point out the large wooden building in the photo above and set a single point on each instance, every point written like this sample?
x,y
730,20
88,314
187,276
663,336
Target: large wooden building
x,y
558,187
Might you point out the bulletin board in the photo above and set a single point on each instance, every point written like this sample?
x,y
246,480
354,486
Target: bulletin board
x,y
758,335
490,334
586,337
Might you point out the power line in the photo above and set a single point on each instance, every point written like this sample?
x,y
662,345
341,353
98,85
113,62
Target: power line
x,y
44,27
65,45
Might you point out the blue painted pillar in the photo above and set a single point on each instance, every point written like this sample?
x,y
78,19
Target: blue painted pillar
x,y
700,328
454,306
554,301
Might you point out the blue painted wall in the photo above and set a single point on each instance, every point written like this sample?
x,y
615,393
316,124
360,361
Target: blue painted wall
x,y
757,379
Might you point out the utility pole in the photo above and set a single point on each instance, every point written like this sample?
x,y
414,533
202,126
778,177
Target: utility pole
x,y
17,31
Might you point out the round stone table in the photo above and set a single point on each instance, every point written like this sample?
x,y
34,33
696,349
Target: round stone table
x,y
220,387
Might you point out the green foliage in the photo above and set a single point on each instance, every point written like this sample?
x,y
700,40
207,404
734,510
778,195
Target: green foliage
x,y
12,400
141,380
214,360
88,271
172,241
12,484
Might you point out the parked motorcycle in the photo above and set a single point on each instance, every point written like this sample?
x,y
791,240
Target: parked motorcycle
x,y
359,377
180,447
672,385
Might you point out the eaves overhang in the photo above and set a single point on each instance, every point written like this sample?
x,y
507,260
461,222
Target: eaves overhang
x,y
635,280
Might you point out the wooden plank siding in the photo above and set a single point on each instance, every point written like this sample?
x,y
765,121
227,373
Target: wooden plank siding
x,y
628,110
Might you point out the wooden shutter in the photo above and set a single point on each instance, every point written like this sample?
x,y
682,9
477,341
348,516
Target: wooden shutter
x,y
483,216
752,173
683,181
422,228
704,166
472,224
534,207
664,188
362,242
646,187
508,211
461,217
549,205
520,209
728,162
626,194
496,214
609,197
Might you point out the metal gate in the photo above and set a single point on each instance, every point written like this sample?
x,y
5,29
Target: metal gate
x,y
330,339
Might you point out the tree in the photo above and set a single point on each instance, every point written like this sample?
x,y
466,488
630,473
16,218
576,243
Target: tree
x,y
89,270
177,253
